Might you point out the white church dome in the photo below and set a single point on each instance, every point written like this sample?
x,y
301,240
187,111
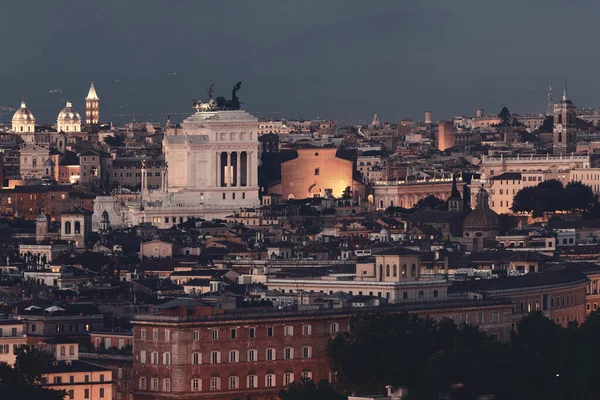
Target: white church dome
x,y
68,115
23,114
68,120
23,120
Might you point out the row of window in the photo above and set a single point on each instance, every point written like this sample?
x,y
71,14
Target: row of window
x,y
86,393
233,357
137,174
58,379
233,382
394,270
561,302
13,332
224,195
288,330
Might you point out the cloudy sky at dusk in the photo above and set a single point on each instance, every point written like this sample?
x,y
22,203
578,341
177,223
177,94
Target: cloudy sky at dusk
x,y
340,59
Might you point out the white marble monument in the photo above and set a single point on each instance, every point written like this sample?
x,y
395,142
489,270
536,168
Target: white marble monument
x,y
211,171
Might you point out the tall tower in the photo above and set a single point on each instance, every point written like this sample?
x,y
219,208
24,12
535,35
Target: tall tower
x,y
550,101
92,110
445,135
564,130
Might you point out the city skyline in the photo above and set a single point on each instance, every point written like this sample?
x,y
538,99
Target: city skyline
x,y
404,58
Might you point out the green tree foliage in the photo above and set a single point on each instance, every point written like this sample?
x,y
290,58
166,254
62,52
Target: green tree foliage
x,y
505,116
432,202
551,196
442,360
24,379
579,196
114,141
548,124
307,390
506,119
347,194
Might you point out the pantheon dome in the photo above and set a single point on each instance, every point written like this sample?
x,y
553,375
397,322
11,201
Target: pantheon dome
x,y
23,120
68,120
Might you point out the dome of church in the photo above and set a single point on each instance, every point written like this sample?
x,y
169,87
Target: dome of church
x,y
23,115
68,115
482,218
383,232
68,120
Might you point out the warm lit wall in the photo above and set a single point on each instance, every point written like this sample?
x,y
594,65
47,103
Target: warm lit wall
x,y
80,387
312,173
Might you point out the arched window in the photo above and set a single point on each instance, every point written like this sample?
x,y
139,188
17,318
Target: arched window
x,y
167,358
395,270
403,269
71,350
34,162
77,227
68,228
63,351
413,270
21,128
387,270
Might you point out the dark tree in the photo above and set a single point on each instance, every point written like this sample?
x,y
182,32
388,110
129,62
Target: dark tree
x,y
347,194
114,141
524,200
432,202
579,196
307,390
548,124
505,116
24,379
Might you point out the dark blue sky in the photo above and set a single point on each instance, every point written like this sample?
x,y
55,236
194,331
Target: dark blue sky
x,y
340,59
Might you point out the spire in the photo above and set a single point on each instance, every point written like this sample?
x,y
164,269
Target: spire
x,y
92,93
455,193
375,120
69,104
23,104
565,92
550,101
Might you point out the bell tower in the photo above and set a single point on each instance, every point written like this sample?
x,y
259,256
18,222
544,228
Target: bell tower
x,y
564,130
92,110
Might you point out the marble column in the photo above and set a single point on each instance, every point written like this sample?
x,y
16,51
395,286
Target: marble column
x,y
218,163
238,168
249,168
229,174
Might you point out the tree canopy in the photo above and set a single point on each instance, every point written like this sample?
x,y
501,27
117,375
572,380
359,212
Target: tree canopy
x,y
306,389
432,202
551,196
24,379
442,360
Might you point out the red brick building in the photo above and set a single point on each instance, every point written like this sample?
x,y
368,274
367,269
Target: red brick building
x,y
194,353
28,201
